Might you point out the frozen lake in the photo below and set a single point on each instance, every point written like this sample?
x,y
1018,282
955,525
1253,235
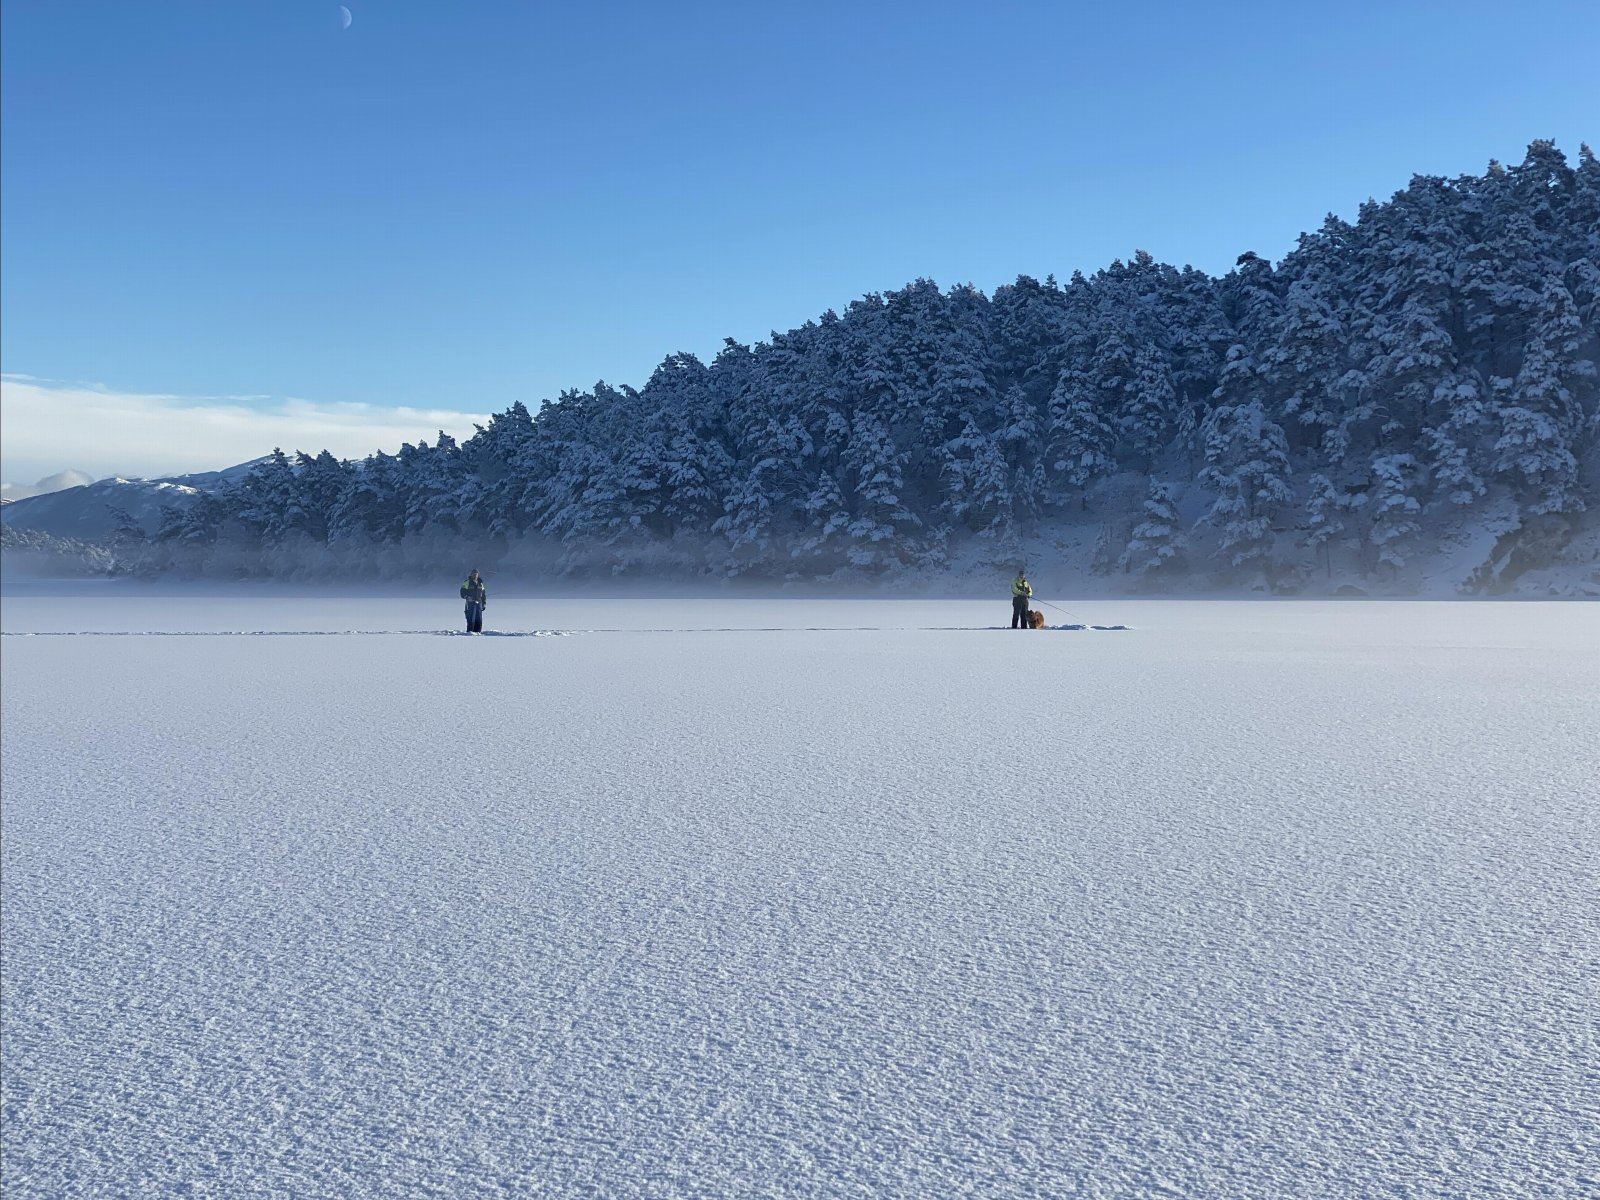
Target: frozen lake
x,y
799,898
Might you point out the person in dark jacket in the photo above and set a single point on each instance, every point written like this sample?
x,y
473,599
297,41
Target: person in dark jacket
x,y
477,598
1021,593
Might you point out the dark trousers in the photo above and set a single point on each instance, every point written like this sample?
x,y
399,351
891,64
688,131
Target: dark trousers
x,y
474,617
1019,612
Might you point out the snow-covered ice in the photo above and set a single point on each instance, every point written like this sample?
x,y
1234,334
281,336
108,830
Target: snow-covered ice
x,y
709,899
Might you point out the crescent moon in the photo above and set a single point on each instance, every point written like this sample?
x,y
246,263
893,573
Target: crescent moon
x,y
344,17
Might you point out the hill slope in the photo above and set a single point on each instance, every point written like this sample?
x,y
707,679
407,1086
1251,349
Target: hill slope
x,y
1405,402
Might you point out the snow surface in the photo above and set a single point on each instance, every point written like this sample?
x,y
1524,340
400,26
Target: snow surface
x,y
1250,900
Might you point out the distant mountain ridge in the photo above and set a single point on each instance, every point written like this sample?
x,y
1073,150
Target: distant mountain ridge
x,y
50,483
92,511
1406,402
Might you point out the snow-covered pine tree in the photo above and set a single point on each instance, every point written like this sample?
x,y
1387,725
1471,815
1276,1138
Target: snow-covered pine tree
x,y
266,504
823,540
580,503
1149,406
1414,356
1247,466
881,527
1304,365
1451,451
500,453
1157,545
320,480
188,532
696,479
1394,509
1199,336
437,474
1542,423
1028,320
1081,438
371,508
1322,521
1249,297
1022,446
978,485
126,530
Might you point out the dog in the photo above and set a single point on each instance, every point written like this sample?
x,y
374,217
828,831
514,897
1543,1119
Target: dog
x,y
1035,619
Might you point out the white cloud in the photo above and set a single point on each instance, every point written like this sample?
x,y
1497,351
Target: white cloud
x,y
50,426
50,483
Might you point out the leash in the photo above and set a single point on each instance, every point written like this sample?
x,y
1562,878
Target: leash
x,y
1059,609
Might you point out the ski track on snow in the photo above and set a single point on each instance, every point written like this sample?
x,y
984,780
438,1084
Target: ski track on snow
x,y
520,633
1271,900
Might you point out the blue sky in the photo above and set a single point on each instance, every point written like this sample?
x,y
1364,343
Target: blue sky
x,y
448,207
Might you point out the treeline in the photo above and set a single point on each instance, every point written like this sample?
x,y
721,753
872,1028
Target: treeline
x,y
32,552
1389,377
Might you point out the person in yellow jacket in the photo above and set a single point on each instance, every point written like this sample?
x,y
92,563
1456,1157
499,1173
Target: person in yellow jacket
x,y
1021,593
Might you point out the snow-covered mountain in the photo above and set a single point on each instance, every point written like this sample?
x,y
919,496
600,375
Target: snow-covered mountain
x,y
91,511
